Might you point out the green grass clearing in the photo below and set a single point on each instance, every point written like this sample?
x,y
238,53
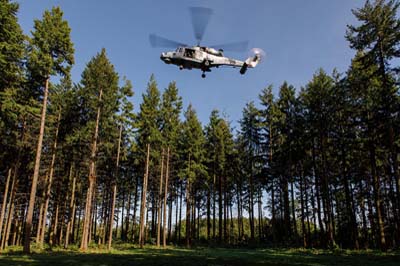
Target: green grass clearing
x,y
130,255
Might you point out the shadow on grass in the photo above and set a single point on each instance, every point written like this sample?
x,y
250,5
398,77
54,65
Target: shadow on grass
x,y
202,256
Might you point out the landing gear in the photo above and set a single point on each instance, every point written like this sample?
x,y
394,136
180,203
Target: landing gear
x,y
203,75
180,67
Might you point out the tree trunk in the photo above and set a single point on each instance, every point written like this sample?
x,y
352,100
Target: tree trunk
x,y
165,201
49,182
143,202
159,200
303,226
134,210
214,205
377,199
70,214
180,211
169,219
251,204
326,195
114,190
188,209
293,209
220,210
208,212
3,205
32,197
92,180
10,210
8,226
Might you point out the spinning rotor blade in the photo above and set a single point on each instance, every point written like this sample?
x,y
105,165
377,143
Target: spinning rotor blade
x,y
257,51
200,18
158,41
233,47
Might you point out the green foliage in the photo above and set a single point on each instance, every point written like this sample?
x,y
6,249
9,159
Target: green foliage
x,y
12,47
51,50
192,146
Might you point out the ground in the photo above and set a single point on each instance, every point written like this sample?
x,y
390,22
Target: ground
x,y
129,255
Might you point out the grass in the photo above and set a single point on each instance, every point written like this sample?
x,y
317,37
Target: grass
x,y
130,255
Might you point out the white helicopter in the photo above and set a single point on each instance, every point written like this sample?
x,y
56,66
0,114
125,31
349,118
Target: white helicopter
x,y
201,57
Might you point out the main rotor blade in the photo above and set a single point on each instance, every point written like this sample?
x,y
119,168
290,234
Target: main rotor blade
x,y
233,47
200,18
158,41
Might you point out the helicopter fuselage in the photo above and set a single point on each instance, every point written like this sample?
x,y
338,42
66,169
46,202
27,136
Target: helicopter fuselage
x,y
198,57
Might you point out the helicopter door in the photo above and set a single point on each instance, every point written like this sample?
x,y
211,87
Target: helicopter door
x,y
189,53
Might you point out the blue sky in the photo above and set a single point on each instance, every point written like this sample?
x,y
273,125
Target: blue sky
x,y
298,36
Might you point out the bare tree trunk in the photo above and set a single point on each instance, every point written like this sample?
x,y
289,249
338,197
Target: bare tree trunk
x,y
3,205
188,208
10,210
39,225
92,224
208,212
43,218
8,226
134,210
29,216
143,202
159,205
273,217
165,202
49,184
220,210
176,201
251,204
377,199
71,213
214,205
128,209
239,210
260,214
114,190
303,226
169,220
293,208
92,180
180,211
53,230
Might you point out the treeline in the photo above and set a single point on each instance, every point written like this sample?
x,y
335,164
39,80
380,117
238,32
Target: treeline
x,y
316,168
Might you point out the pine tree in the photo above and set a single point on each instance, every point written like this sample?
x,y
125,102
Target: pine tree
x,y
171,107
251,136
378,40
319,113
149,140
51,53
192,158
100,102
12,46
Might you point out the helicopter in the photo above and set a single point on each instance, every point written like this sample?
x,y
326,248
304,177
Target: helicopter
x,y
204,57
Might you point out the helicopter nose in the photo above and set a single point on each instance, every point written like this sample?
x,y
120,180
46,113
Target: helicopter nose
x,y
164,57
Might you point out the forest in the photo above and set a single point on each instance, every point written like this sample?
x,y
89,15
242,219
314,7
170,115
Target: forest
x,y
315,167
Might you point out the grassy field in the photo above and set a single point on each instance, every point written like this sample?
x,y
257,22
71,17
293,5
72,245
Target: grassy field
x,y
129,255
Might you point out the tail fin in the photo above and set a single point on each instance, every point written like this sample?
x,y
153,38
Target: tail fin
x,y
253,60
